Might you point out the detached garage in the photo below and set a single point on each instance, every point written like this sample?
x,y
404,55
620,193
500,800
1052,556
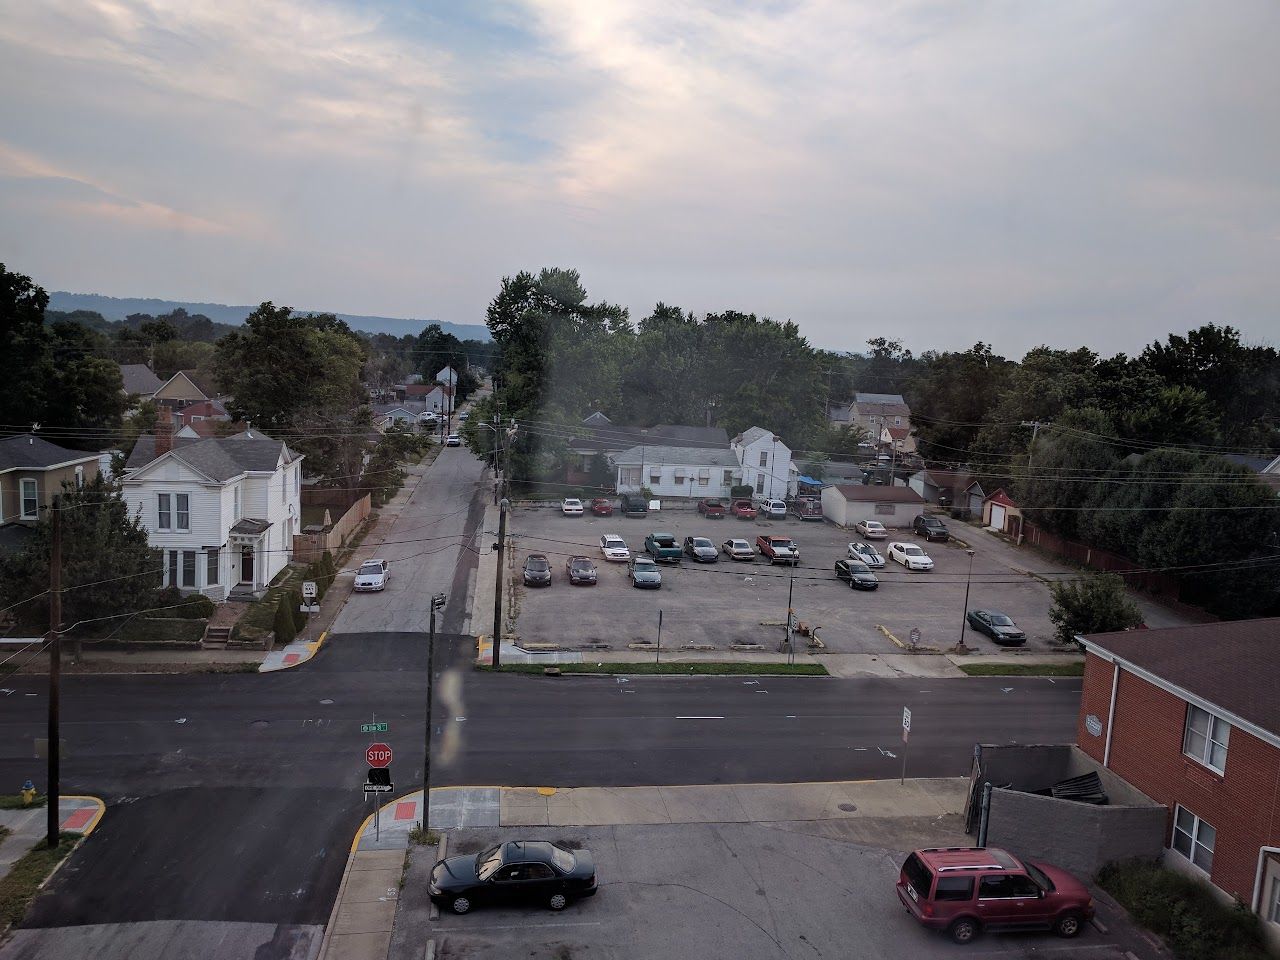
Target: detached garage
x,y
844,504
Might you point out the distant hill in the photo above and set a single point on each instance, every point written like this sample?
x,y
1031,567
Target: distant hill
x,y
118,308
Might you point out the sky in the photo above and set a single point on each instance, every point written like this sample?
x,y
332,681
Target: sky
x,y
933,172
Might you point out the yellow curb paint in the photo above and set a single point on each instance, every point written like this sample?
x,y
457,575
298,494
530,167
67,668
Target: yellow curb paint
x,y
102,809
885,630
364,825
546,791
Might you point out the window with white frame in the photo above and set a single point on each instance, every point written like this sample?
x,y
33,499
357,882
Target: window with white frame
x,y
188,568
1205,738
211,566
1193,838
30,500
759,484
79,477
171,577
728,478
164,511
764,458
235,512
655,474
182,502
897,421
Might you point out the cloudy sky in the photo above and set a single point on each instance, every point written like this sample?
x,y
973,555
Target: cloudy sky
x,y
939,172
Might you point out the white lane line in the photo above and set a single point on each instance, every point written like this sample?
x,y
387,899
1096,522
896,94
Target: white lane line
x,y
528,926
699,718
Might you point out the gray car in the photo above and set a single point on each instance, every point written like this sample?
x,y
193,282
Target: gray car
x,y
701,549
537,571
644,573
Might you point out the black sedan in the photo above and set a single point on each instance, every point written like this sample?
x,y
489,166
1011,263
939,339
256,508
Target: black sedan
x,y
537,571
580,570
857,573
515,872
997,626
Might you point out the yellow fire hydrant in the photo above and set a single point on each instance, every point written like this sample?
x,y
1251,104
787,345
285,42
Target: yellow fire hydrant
x,y
28,793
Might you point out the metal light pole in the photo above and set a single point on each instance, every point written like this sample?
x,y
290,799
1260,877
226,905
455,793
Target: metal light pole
x,y
791,585
437,603
964,616
55,657
500,546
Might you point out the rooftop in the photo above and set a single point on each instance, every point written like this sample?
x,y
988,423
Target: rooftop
x,y
1230,665
862,493
139,379
29,452
647,454
893,398
218,458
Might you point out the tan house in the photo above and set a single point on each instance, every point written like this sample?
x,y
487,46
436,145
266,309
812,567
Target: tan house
x,y
32,470
180,391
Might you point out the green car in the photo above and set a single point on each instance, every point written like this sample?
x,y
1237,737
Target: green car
x,y
663,547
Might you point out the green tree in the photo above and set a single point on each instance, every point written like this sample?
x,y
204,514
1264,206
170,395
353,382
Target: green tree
x,y
1097,604
1070,462
951,396
108,568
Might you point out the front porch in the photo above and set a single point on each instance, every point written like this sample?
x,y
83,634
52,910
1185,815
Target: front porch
x,y
250,563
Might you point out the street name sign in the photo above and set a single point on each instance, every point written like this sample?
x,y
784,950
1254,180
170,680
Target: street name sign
x,y
380,727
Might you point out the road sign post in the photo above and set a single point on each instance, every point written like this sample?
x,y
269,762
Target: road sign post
x,y
906,739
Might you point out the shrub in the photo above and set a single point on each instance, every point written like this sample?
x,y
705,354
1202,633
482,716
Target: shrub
x,y
742,491
294,599
282,625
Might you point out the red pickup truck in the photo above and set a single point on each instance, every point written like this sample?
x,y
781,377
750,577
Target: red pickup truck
x,y
778,549
743,510
711,509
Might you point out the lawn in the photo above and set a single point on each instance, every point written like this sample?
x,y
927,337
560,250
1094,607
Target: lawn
x,y
19,887
13,801
1024,669
683,669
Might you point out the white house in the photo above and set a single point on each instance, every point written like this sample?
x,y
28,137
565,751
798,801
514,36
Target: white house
x,y
765,463
448,376
222,509
677,471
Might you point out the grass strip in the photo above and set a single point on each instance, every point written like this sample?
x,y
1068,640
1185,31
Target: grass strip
x,y
13,801
700,668
1023,669
19,887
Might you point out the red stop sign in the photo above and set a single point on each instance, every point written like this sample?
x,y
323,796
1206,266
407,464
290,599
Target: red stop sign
x,y
378,755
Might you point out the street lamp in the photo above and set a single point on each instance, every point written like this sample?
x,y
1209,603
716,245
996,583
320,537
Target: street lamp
x,y
964,614
437,603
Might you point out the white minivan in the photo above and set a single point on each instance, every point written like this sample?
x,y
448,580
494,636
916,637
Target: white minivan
x,y
773,509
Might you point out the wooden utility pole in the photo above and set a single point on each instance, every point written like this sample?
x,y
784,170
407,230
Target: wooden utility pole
x,y
55,651
501,547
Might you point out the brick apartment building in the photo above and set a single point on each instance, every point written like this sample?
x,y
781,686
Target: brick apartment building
x,y
1191,717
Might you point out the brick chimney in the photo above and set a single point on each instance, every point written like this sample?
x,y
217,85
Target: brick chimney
x,y
164,436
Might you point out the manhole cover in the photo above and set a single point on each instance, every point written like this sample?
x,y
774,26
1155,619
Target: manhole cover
x,y
848,807
326,701
259,724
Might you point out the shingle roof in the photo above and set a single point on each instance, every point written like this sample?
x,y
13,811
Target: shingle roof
x,y
1231,665
893,398
610,438
139,379
31,452
751,435
861,493
218,458
686,456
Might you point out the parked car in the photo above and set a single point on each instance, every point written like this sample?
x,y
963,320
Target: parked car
x,y
614,548
701,549
464,416
872,529
965,890
634,505
857,573
778,549
910,556
805,508
866,553
743,509
537,571
600,507
931,528
517,871
711,509
738,550
773,509
373,575
663,547
453,440
580,570
997,626
571,507
644,573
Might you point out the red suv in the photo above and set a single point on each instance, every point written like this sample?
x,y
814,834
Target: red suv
x,y
965,890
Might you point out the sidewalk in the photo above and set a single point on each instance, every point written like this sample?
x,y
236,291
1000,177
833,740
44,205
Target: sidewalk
x,y
28,827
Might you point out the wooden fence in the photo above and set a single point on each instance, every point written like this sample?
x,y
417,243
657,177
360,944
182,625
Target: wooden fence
x,y
309,547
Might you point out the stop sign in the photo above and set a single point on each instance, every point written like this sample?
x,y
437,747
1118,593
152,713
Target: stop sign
x,y
378,755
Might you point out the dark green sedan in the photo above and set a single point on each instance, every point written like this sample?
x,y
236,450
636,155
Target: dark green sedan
x,y
1000,628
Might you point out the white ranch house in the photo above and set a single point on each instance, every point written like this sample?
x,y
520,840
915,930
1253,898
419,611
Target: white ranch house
x,y
755,457
223,509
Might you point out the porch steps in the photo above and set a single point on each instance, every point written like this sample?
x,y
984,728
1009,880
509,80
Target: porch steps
x,y
216,638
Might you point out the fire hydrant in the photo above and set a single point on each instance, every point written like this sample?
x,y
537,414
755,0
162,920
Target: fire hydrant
x,y
28,793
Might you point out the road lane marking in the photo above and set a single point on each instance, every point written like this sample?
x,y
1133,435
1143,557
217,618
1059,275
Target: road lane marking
x,y
528,926
699,718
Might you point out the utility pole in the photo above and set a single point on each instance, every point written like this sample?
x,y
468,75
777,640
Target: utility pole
x,y
55,666
437,602
500,546
791,585
1035,426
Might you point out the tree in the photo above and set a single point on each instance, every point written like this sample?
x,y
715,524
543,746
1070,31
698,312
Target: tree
x,y
108,568
1097,604
951,396
1071,462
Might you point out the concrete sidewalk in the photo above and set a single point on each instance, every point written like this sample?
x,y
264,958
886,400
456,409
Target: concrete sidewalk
x,y
28,826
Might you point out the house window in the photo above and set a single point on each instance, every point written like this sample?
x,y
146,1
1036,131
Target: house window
x,y
1273,911
897,421
728,478
759,484
30,500
764,458
164,511
188,568
211,566
79,477
297,482
655,475
284,486
171,579
1205,739
1193,838
235,514
184,511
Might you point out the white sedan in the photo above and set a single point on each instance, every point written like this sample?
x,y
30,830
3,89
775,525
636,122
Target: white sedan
x,y
453,440
910,556
872,529
614,548
866,553
738,549
571,507
373,575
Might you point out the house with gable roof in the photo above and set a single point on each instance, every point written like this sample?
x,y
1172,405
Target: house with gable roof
x,y
223,510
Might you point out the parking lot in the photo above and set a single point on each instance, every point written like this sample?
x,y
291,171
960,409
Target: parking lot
x,y
761,890
730,602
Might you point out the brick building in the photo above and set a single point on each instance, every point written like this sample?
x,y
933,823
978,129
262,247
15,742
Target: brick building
x,y
1191,717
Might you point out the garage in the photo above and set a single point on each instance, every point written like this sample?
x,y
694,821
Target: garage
x,y
846,503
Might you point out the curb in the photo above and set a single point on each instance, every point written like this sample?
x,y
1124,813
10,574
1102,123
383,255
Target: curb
x,y
337,902
102,809
313,647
